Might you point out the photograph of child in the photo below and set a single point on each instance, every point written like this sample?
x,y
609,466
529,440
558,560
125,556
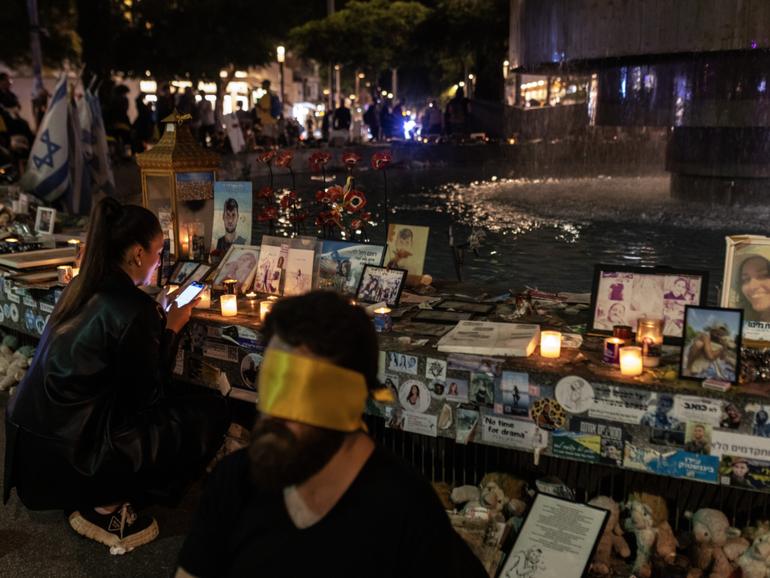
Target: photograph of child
x,y
407,245
623,297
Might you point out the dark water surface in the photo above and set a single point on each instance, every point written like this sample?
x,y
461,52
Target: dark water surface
x,y
548,233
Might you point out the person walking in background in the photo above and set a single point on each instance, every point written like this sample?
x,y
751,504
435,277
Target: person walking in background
x,y
342,117
143,129
206,116
386,130
457,113
164,105
372,120
266,113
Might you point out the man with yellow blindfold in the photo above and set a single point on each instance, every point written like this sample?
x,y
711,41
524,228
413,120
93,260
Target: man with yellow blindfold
x,y
313,495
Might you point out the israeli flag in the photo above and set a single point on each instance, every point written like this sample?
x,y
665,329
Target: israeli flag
x,y
98,158
48,169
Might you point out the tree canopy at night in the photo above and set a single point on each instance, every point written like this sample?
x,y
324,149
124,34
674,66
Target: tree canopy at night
x,y
433,43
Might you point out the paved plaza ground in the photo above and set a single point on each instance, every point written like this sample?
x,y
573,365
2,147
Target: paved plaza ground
x,y
41,544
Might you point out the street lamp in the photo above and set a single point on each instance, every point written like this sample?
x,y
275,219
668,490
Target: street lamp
x,y
280,55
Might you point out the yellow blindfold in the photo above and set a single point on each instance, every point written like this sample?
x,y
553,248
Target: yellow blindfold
x,y
313,391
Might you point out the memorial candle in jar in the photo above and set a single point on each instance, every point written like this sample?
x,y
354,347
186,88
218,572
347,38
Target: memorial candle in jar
x,y
631,361
229,304
611,353
550,344
649,335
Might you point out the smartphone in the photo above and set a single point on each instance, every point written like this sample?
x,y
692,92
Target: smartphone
x,y
190,292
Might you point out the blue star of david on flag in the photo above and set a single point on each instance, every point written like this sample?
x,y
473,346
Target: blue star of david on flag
x,y
51,148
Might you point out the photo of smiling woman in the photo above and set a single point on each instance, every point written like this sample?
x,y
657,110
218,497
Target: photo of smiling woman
x,y
754,280
747,283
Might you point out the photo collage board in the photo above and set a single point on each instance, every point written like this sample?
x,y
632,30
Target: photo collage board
x,y
487,400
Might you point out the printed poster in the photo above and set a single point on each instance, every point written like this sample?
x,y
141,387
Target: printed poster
x,y
556,540
676,463
299,272
343,262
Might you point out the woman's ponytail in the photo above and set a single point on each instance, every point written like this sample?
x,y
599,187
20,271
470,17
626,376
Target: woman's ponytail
x,y
113,229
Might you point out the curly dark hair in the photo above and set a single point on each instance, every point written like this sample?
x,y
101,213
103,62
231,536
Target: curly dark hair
x,y
329,326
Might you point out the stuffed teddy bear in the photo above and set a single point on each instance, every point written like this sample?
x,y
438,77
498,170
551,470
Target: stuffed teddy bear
x,y
612,538
716,545
648,521
755,562
499,496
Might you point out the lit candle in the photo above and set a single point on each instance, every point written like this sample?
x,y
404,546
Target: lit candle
x,y
171,288
631,361
550,344
205,302
230,285
11,240
229,304
64,274
264,308
649,334
382,320
77,246
75,272
252,297
611,353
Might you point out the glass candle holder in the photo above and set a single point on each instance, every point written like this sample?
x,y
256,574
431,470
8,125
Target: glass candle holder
x,y
229,305
624,332
649,335
550,344
265,307
230,286
631,361
611,352
205,299
383,322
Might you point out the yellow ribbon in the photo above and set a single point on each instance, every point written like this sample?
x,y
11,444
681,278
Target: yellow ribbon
x,y
311,391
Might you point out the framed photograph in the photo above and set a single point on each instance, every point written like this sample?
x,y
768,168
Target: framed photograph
x,y
712,342
746,285
536,553
407,245
466,306
182,271
432,316
299,272
240,263
623,295
342,264
381,284
45,219
232,215
201,272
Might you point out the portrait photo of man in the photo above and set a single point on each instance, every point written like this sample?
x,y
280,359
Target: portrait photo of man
x,y
230,221
232,215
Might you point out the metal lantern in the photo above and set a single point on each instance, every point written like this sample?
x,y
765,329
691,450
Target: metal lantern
x,y
174,172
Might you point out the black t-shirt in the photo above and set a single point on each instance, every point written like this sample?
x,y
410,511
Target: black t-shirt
x,y
389,523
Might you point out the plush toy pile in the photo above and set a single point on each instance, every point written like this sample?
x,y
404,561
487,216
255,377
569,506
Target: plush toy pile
x,y
711,549
14,361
